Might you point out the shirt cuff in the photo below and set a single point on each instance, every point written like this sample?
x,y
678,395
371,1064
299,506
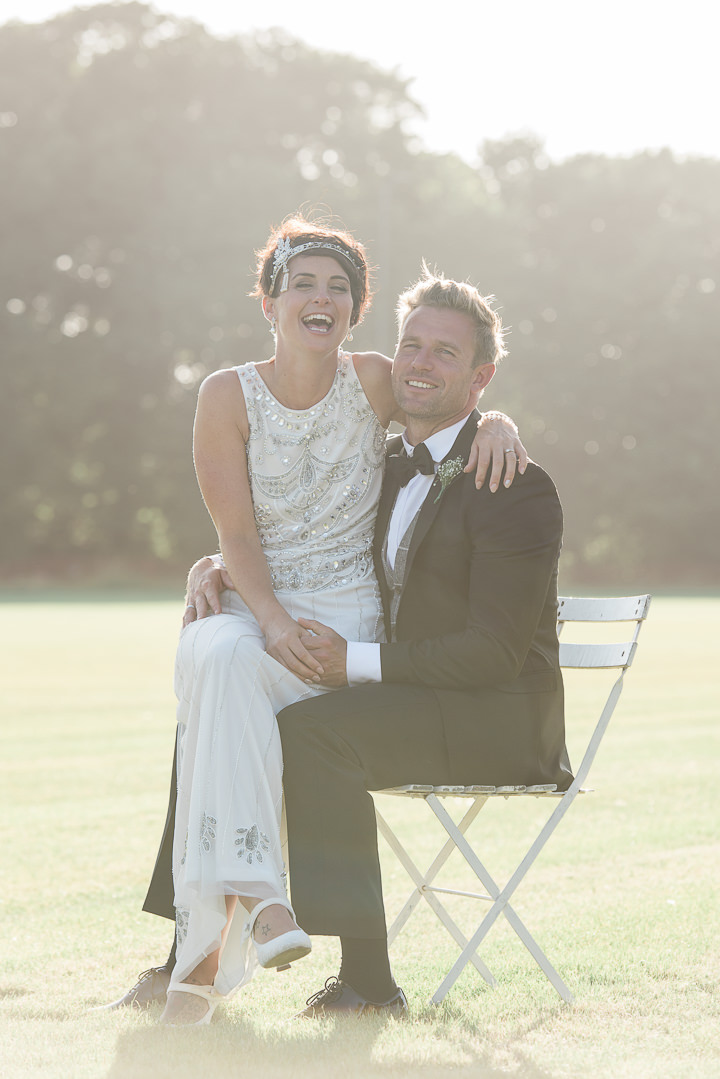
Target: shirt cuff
x,y
363,663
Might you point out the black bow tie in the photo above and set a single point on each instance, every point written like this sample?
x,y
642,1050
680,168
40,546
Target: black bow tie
x,y
403,468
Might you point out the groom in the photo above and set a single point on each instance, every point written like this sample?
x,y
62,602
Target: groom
x,y
468,689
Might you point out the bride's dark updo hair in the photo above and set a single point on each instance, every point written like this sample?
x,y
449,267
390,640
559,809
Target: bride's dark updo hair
x,y
335,243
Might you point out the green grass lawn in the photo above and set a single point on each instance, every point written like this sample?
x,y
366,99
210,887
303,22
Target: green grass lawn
x,y
624,899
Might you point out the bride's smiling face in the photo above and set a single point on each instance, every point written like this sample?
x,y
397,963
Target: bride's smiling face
x,y
316,308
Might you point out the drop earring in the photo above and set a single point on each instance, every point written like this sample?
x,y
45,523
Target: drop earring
x,y
349,336
273,325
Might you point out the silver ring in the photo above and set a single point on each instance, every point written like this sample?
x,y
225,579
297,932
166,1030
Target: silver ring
x,y
512,452
188,606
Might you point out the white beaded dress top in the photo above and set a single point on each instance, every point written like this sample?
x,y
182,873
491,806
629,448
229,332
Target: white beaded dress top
x,y
315,476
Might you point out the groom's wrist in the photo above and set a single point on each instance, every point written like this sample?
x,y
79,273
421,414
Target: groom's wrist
x,y
363,663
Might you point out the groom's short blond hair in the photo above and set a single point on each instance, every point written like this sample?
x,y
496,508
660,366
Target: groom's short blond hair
x,y
436,290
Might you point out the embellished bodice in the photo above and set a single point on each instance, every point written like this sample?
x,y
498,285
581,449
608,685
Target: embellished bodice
x,y
315,476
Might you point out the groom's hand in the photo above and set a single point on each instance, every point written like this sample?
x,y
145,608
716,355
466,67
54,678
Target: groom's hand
x,y
329,649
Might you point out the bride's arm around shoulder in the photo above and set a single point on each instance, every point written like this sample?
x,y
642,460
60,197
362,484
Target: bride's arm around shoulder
x,y
375,373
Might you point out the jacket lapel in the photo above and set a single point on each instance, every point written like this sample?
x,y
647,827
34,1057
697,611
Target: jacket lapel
x,y
382,522
430,507
387,501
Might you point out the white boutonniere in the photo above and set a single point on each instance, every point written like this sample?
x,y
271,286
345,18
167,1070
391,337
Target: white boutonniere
x,y
447,473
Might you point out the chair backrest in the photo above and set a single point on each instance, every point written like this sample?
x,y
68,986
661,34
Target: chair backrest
x,y
632,609
594,656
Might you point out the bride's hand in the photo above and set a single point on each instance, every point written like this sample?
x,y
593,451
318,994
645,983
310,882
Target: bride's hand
x,y
496,441
283,642
205,582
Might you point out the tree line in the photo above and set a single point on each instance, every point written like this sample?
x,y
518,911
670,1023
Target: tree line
x,y
143,160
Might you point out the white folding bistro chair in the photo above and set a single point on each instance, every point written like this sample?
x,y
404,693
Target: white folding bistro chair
x,y
630,609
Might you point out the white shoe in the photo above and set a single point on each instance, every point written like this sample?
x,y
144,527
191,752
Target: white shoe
x,y
209,994
283,949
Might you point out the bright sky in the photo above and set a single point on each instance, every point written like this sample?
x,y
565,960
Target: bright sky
x,y
612,77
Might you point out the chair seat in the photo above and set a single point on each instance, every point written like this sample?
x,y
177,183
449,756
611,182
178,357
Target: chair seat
x,y
420,790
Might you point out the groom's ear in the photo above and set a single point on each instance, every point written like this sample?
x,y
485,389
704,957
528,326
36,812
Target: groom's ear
x,y
482,377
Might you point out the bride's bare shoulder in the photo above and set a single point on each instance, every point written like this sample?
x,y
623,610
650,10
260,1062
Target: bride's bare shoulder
x,y
372,363
221,396
375,373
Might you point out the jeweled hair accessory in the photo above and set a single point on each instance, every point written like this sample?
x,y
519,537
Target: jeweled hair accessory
x,y
285,251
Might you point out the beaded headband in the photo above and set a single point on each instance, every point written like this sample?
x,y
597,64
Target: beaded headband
x,y
285,251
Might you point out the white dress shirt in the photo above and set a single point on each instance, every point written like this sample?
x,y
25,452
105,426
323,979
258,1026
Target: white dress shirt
x,y
363,659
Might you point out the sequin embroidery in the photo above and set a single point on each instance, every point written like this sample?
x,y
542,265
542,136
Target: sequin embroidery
x,y
251,843
315,476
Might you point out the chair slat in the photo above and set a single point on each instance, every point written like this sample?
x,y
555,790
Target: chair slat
x,y
597,656
609,609
415,790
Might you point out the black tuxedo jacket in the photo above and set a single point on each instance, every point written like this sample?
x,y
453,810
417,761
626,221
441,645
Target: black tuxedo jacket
x,y
477,621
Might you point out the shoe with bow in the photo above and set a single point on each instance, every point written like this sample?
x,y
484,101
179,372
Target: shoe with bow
x,y
184,1009
284,949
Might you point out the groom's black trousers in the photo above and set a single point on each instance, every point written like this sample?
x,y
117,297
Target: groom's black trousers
x,y
336,748
160,898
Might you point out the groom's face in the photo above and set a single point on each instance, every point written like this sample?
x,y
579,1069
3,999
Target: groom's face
x,y
433,374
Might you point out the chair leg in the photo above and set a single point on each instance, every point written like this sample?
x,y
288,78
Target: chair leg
x,y
423,890
501,904
413,872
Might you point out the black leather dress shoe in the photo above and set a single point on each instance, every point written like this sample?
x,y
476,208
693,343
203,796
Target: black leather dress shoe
x,y
339,998
150,988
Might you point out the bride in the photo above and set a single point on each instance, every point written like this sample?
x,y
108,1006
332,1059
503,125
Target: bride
x,y
289,457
